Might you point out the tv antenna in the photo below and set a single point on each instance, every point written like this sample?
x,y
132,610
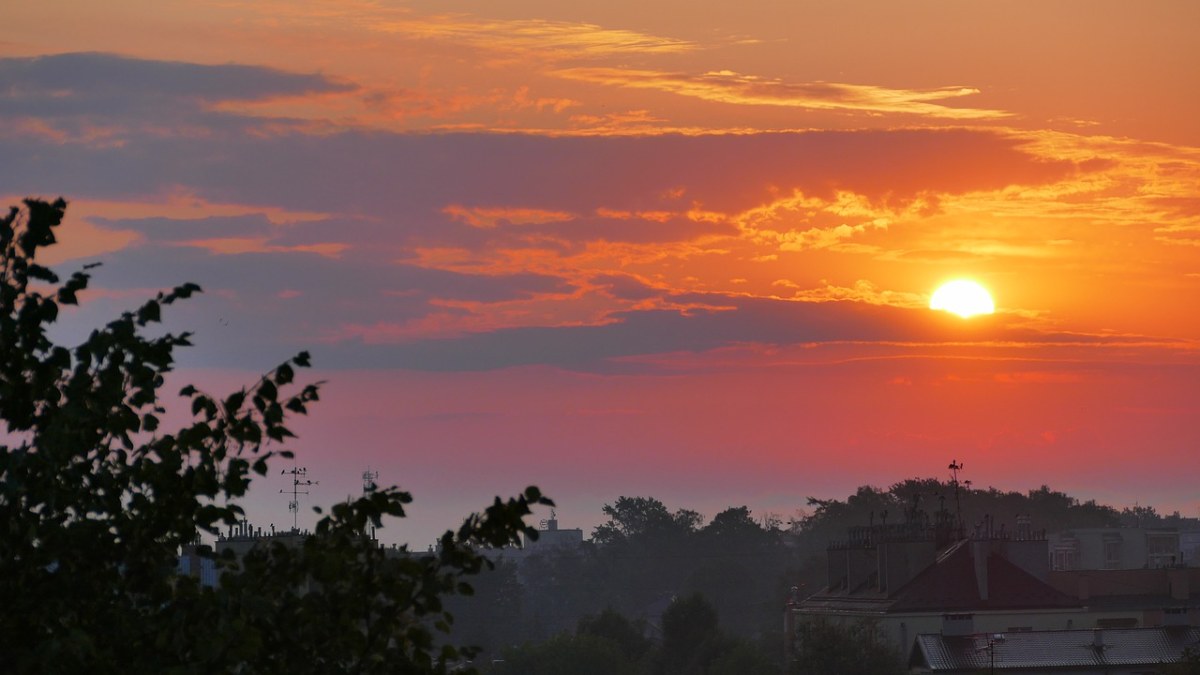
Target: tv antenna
x,y
299,480
955,467
369,477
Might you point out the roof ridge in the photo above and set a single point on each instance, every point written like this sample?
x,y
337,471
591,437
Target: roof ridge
x,y
950,550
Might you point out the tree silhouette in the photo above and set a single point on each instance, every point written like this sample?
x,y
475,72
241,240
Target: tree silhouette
x,y
691,636
96,500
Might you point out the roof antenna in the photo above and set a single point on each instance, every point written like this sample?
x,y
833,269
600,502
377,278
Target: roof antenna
x,y
369,477
299,479
955,467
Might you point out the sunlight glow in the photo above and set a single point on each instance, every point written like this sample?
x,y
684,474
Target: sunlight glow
x,y
962,297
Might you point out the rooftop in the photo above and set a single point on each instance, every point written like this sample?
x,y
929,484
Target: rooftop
x,y
1058,649
952,584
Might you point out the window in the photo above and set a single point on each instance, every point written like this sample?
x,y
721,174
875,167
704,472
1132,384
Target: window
x,y
1063,559
1162,549
1112,555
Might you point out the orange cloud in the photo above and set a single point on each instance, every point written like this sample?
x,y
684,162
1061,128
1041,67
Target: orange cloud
x,y
237,245
730,87
1038,377
184,203
490,217
653,216
529,36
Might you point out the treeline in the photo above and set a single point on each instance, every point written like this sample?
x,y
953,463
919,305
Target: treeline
x,y
688,639
692,642
642,558
645,556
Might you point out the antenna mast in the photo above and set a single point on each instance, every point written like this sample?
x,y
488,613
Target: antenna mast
x,y
299,479
369,477
955,467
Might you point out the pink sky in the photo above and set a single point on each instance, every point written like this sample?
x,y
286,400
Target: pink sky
x,y
661,249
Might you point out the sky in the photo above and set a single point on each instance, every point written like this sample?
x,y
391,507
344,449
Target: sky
x,y
668,249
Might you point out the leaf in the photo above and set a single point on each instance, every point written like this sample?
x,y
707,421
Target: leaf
x,y
234,402
150,312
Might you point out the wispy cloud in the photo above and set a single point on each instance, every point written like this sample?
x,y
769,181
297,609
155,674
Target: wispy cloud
x,y
735,88
574,39
490,217
522,36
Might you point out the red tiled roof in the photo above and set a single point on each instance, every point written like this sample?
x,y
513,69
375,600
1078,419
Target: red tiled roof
x,y
950,586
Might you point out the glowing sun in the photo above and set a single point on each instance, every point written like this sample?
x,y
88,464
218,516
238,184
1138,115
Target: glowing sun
x,y
964,298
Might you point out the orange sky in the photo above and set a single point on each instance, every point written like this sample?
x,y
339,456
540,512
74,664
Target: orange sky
x,y
671,249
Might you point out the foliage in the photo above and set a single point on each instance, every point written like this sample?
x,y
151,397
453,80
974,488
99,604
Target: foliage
x,y
633,518
691,636
489,618
692,644
858,648
742,657
1051,510
629,636
96,501
566,655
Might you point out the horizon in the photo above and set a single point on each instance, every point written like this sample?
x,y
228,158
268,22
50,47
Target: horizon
x,y
632,250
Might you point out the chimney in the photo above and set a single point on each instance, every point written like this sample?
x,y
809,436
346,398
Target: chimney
x,y
980,549
1024,527
1177,579
1098,640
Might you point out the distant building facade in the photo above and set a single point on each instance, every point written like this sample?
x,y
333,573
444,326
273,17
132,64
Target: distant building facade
x,y
1115,548
549,536
920,580
1189,547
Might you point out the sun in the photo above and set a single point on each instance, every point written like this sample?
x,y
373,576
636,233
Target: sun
x,y
962,297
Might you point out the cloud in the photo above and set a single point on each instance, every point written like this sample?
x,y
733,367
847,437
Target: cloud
x,y
162,229
392,174
94,97
77,81
354,287
631,341
735,88
489,217
437,248
533,36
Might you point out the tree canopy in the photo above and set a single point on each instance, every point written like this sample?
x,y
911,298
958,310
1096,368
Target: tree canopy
x,y
96,499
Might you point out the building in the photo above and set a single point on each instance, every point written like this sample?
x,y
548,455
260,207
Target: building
x,y
240,538
1165,596
981,585
551,537
201,568
915,578
928,584
1189,547
1114,548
